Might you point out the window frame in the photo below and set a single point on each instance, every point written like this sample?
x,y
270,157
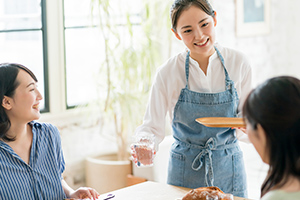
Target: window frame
x,y
45,55
43,30
58,113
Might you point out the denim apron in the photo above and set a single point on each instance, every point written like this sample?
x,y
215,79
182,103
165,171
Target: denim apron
x,y
203,156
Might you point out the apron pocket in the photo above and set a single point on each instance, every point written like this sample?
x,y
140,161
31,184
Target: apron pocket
x,y
239,174
176,169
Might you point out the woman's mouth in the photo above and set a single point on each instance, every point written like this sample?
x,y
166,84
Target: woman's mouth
x,y
202,43
36,106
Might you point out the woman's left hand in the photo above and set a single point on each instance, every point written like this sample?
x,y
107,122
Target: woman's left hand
x,y
85,193
240,128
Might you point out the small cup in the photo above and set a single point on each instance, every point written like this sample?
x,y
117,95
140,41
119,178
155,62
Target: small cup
x,y
144,150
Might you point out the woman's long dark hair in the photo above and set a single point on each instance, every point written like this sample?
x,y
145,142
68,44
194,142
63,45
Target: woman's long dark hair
x,y
275,105
8,85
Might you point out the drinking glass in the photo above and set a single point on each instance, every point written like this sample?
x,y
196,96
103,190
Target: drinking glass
x,y
143,151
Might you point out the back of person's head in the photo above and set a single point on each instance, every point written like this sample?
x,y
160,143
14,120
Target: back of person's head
x,y
180,5
275,105
8,85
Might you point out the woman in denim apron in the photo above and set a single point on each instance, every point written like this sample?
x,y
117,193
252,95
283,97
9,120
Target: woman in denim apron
x,y
204,153
200,156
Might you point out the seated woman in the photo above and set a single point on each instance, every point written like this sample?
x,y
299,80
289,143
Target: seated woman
x,y
272,116
31,157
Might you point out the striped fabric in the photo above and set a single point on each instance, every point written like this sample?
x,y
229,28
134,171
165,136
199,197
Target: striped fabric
x,y
41,179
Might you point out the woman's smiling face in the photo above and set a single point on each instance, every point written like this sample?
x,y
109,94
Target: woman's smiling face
x,y
25,101
197,30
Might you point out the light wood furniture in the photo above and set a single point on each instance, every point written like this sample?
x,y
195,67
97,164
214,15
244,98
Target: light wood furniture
x,y
133,180
151,191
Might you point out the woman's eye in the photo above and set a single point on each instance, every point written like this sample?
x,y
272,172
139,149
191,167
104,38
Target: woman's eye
x,y
32,88
205,24
187,31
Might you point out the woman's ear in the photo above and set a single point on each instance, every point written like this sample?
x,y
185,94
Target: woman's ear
x,y
215,18
176,34
6,103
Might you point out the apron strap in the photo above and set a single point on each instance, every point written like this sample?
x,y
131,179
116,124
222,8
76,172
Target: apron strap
x,y
206,153
187,61
228,82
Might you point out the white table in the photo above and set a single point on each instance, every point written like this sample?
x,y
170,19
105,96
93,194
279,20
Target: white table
x,y
151,191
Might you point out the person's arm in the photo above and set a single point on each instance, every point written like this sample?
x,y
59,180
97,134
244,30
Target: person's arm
x,y
154,118
80,193
246,87
67,189
152,131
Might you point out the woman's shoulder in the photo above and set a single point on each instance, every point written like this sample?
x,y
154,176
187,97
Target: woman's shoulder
x,y
171,71
231,53
281,195
45,127
174,62
235,59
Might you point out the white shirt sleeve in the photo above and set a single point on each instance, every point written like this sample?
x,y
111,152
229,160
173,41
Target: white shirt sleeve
x,y
154,119
246,87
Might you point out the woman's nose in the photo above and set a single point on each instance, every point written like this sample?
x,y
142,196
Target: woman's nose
x,y
39,95
198,33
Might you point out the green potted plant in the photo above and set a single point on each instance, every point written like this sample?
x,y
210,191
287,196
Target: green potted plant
x,y
132,53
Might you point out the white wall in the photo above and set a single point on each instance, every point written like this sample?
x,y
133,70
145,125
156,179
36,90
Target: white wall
x,y
274,54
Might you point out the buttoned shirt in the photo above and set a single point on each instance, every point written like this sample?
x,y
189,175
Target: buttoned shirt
x,y
170,79
41,178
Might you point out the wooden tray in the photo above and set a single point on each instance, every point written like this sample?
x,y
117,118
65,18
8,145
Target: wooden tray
x,y
222,122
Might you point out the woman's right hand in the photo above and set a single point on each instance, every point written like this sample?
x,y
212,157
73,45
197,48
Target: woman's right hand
x,y
143,152
133,153
84,193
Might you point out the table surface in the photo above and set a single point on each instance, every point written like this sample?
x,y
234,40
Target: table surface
x,y
151,191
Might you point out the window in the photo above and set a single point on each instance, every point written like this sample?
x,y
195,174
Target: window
x,y
64,47
85,47
84,51
23,39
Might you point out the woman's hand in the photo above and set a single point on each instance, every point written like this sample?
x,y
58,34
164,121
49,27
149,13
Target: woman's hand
x,y
85,193
240,128
133,153
142,153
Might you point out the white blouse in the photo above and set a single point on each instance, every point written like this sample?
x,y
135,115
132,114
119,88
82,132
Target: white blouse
x,y
170,79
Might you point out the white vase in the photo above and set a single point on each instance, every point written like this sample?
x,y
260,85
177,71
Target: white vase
x,y
105,173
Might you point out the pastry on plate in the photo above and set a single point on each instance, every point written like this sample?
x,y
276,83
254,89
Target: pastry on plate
x,y
207,193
